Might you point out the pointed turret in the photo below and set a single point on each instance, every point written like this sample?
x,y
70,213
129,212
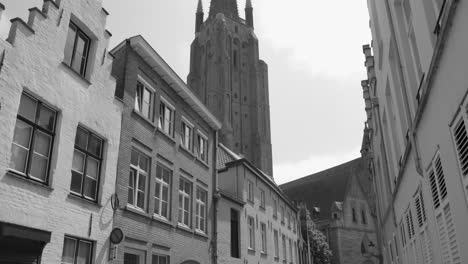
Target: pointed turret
x,y
249,13
227,7
199,17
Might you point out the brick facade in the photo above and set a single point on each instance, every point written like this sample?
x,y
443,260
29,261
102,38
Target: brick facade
x,y
146,233
32,61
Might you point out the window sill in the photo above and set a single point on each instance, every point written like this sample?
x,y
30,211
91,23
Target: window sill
x,y
276,259
148,121
201,234
81,77
251,202
204,163
162,220
187,151
184,228
24,178
263,254
135,210
251,250
84,200
167,136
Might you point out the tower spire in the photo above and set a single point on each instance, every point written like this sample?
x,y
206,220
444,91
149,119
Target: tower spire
x,y
199,17
249,13
227,7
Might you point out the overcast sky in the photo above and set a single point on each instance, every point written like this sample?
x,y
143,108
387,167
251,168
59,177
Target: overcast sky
x,y
314,52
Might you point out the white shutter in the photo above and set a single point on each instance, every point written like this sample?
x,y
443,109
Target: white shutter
x,y
441,179
434,191
461,141
426,246
452,236
443,239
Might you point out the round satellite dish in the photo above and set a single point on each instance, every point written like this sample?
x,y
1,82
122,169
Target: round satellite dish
x,y
116,236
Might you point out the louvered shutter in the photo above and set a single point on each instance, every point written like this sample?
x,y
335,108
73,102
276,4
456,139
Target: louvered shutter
x,y
452,236
434,191
426,246
441,179
461,140
419,213
443,239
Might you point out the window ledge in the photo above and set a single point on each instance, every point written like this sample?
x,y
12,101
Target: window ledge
x,y
23,178
81,77
169,137
201,234
135,210
204,163
251,250
187,151
276,259
84,200
162,220
139,115
184,228
263,254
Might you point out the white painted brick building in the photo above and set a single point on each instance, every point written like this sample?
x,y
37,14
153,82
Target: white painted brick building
x,y
55,82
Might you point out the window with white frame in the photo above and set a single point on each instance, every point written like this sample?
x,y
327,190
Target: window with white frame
x,y
133,256
86,165
202,146
77,250
263,233
144,99
139,171
186,135
262,199
251,228
275,208
250,191
200,212
283,240
162,191
166,117
33,138
160,259
185,201
276,241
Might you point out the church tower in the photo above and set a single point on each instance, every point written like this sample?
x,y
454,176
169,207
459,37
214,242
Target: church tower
x,y
230,79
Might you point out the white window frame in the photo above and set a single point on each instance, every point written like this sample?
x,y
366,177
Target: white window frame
x,y
262,199
162,184
77,246
140,253
250,191
152,92
182,200
276,241
158,255
201,210
263,232
186,143
162,120
202,147
251,232
139,172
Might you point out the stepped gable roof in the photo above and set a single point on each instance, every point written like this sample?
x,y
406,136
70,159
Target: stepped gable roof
x,y
325,188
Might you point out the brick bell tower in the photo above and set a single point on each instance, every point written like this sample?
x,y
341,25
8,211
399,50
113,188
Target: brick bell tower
x,y
230,79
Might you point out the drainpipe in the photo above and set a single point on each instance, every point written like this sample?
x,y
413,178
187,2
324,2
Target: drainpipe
x,y
216,196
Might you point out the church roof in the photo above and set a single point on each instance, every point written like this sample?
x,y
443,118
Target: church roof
x,y
227,7
325,188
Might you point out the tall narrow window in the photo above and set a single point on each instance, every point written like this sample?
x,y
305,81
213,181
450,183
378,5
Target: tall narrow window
x,y
354,215
186,135
291,251
250,191
185,197
282,214
162,191
262,199
144,98
139,171
86,165
202,147
200,214
283,240
159,259
77,49
363,216
76,251
275,208
251,228
235,234
264,237
276,241
32,140
166,118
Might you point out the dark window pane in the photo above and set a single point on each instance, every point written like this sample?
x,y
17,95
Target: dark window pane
x,y
84,253
81,139
38,167
95,145
76,182
134,159
90,188
69,247
143,163
46,118
27,108
78,56
131,259
142,183
141,200
20,146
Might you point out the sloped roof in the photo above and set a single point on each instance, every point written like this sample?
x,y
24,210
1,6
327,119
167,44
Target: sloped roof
x,y
324,188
